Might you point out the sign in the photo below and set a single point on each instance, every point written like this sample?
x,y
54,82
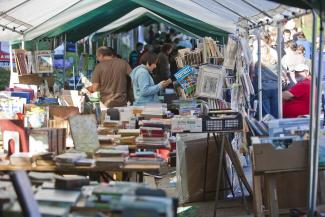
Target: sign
x,y
5,57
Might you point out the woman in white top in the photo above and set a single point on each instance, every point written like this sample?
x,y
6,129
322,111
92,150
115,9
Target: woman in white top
x,y
292,58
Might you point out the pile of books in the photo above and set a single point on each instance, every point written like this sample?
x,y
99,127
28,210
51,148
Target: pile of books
x,y
162,123
21,159
44,159
144,158
69,158
70,182
87,162
111,124
152,137
115,155
123,199
154,111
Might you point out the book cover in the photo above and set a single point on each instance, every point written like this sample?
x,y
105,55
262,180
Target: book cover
x,y
186,78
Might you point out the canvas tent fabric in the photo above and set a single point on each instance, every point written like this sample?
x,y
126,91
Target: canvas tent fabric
x,y
139,16
77,19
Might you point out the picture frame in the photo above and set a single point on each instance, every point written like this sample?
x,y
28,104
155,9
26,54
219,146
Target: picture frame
x,y
44,61
210,82
21,64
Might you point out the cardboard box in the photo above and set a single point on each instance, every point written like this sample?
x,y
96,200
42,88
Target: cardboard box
x,y
267,158
190,168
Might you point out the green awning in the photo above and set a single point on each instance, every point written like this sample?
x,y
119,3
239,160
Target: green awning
x,y
88,23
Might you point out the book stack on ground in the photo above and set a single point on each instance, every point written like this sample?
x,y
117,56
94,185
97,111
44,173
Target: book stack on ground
x,y
144,158
44,159
21,159
152,137
70,182
110,156
69,159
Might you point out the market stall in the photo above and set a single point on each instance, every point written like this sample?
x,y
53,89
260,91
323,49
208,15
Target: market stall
x,y
214,90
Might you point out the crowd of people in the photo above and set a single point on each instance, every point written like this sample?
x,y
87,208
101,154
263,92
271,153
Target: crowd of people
x,y
150,69
295,61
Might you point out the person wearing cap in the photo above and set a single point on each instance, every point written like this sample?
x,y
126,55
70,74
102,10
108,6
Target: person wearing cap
x,y
296,99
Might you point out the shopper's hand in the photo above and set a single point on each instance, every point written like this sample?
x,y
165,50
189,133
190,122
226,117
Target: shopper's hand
x,y
164,84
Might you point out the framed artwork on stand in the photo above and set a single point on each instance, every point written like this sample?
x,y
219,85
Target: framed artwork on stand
x,y
210,82
44,61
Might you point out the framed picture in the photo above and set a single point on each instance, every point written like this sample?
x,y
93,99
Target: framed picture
x,y
230,53
210,82
30,62
21,64
44,61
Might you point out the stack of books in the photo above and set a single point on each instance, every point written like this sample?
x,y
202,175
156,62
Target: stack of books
x,y
154,111
156,122
114,155
152,137
69,158
111,124
21,159
128,132
70,182
144,158
85,162
44,159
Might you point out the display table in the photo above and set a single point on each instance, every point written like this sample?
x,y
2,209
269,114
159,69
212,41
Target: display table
x,y
97,170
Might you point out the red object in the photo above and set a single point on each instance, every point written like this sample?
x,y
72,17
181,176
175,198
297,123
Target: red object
x,y
15,125
5,57
163,153
299,105
20,116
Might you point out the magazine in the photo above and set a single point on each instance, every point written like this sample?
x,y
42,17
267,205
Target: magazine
x,y
186,78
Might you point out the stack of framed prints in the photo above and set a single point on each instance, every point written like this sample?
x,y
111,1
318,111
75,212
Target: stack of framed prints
x,y
27,63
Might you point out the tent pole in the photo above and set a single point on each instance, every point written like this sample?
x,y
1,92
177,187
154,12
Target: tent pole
x,y
279,48
91,44
12,74
64,54
259,62
312,125
23,43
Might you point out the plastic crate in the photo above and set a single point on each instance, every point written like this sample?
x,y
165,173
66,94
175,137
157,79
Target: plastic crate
x,y
223,121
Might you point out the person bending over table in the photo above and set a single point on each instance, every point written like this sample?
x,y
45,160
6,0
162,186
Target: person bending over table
x,y
144,89
296,99
110,78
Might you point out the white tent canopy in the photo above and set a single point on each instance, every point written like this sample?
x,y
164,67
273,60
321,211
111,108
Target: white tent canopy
x,y
36,17
133,15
